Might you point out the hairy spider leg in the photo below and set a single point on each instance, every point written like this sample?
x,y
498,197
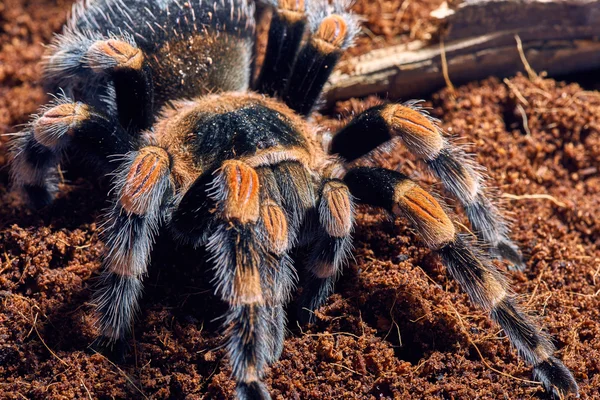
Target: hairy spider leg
x,y
38,149
459,174
285,34
467,263
275,231
329,245
141,185
193,222
332,30
239,255
80,58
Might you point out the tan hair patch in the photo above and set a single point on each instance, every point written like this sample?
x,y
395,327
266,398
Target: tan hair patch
x,y
246,285
339,219
494,289
276,227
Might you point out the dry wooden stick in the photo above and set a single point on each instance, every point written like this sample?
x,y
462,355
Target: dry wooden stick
x,y
559,37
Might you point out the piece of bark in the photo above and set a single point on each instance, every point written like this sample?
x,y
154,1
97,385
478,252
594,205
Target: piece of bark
x,y
558,36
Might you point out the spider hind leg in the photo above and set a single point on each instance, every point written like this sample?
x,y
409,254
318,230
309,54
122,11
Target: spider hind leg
x,y
78,58
459,175
467,264
332,30
285,35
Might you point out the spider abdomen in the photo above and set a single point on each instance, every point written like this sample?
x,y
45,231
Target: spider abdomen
x,y
192,48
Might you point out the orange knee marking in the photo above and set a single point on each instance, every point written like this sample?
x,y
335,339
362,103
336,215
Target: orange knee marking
x,y
291,10
124,54
242,200
276,227
425,212
330,34
149,166
339,206
420,135
69,115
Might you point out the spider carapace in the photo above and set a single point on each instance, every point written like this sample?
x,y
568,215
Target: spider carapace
x,y
159,94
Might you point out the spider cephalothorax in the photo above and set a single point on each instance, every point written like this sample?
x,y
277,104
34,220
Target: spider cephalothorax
x,y
158,93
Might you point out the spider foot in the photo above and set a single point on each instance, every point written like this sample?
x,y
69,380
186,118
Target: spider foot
x,y
252,391
509,251
115,350
556,378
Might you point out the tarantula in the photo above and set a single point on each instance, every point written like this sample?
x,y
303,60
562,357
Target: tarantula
x,y
159,94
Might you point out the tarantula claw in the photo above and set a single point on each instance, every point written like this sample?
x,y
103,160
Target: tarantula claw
x,y
556,378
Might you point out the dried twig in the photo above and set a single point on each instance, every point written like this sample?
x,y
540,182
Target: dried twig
x,y
534,197
532,74
445,68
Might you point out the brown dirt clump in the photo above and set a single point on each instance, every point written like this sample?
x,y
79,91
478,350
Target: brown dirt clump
x,y
388,22
397,326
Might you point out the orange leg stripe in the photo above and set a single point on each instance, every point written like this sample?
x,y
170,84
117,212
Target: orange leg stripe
x,y
291,5
332,30
330,35
276,227
149,166
242,188
123,54
427,215
420,134
68,115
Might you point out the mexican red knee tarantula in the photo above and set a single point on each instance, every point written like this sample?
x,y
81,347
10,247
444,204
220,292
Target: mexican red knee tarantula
x,y
159,93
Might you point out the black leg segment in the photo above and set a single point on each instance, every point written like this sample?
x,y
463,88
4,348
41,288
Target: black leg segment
x,y
285,34
332,30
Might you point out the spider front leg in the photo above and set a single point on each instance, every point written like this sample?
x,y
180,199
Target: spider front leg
x,y
458,173
142,185
247,273
79,58
467,263
193,222
330,245
37,151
